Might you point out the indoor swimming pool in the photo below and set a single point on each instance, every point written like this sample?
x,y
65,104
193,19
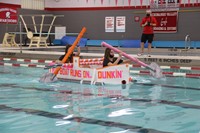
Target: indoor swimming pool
x,y
167,105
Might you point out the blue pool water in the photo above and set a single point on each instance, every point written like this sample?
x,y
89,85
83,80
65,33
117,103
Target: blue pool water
x,y
168,105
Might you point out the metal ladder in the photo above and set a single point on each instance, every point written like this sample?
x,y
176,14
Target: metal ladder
x,y
187,45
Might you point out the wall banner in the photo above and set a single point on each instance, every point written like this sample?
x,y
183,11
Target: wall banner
x,y
8,15
167,22
120,23
109,24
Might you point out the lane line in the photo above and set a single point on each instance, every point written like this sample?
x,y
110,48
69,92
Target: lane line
x,y
80,119
166,102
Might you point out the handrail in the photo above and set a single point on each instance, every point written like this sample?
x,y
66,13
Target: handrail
x,y
187,42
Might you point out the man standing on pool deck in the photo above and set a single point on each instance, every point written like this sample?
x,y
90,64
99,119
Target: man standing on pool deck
x,y
147,23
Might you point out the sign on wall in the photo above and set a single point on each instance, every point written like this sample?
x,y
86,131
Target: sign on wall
x,y
8,15
109,24
120,23
167,21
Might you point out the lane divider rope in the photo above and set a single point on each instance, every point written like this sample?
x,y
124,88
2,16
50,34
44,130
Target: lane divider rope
x,y
99,59
139,72
21,65
172,67
25,60
174,74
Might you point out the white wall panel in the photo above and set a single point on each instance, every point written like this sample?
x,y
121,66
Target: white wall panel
x,y
33,4
26,4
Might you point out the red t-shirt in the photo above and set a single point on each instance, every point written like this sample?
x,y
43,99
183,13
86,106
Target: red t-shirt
x,y
148,29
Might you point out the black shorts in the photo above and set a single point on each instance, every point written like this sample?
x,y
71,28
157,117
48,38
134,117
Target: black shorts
x,y
147,37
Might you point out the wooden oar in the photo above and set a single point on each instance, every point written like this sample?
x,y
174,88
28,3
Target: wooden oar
x,y
50,77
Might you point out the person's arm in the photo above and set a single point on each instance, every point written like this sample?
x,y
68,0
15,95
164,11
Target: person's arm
x,y
117,61
154,22
143,23
58,62
127,61
78,51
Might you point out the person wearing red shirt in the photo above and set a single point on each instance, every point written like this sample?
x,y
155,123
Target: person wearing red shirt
x,y
147,23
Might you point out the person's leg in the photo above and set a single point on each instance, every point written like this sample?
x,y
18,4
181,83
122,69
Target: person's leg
x,y
142,47
149,49
143,39
150,39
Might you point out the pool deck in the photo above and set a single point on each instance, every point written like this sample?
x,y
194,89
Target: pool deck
x,y
162,56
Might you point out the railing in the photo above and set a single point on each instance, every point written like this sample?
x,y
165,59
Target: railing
x,y
187,42
187,45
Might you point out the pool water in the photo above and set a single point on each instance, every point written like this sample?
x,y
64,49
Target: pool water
x,y
167,105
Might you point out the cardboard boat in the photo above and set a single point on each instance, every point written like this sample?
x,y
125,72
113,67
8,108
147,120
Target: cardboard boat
x,y
94,74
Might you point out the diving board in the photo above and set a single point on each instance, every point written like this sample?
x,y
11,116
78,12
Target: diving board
x,y
38,40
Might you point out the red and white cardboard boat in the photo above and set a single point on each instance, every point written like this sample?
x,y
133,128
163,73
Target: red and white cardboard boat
x,y
93,72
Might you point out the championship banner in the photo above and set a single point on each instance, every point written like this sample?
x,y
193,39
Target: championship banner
x,y
8,15
167,21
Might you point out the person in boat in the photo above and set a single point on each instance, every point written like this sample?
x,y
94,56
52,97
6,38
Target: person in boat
x,y
70,58
110,60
